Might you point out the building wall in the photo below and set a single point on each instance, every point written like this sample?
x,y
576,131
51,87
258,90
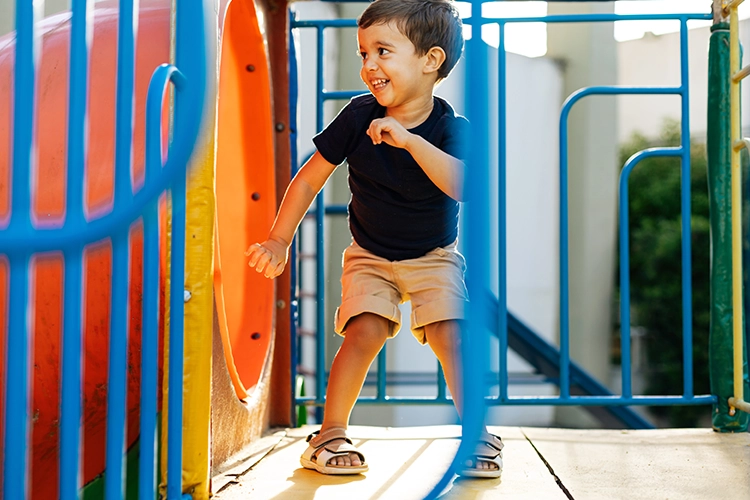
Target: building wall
x,y
654,60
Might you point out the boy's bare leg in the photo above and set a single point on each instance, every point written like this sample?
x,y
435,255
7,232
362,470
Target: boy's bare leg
x,y
365,336
444,337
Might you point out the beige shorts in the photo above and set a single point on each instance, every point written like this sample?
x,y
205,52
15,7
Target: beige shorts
x,y
434,283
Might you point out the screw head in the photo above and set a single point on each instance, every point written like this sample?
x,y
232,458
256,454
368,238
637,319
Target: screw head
x,y
255,196
250,68
255,336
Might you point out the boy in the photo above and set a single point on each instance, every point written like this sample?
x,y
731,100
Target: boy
x,y
402,145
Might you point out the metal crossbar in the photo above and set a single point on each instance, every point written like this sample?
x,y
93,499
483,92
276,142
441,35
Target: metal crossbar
x,y
564,365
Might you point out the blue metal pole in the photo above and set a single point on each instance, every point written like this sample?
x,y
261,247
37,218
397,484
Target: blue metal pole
x,y
119,317
564,261
70,410
687,264
293,274
475,341
176,340
19,343
502,214
320,352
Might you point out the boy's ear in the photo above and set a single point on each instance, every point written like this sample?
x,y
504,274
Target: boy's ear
x,y
435,58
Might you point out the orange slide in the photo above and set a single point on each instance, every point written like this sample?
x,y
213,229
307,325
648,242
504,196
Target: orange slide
x,y
245,207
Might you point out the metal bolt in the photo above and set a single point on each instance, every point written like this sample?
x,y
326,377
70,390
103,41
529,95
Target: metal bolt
x,y
256,196
280,304
250,68
186,295
255,336
280,127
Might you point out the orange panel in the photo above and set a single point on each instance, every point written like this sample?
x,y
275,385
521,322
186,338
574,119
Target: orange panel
x,y
245,191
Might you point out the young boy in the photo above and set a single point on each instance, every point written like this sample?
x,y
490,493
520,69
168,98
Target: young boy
x,y
402,145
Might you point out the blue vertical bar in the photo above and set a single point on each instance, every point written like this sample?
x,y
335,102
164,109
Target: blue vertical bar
x,y
24,83
502,211
118,344
687,265
117,380
293,288
18,353
176,340
475,340
564,280
72,383
625,356
149,353
17,394
382,367
320,309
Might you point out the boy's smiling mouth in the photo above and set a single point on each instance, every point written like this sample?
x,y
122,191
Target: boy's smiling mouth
x,y
379,83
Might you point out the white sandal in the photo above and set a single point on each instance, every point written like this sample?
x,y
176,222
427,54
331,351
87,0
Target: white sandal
x,y
489,449
320,451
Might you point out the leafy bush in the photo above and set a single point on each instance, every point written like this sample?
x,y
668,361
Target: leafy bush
x,y
655,269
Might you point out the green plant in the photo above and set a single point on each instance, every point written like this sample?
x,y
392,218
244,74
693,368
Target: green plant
x,y
656,267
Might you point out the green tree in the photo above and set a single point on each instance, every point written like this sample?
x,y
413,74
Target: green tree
x,y
656,269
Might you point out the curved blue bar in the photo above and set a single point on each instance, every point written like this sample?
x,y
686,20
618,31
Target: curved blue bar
x,y
475,337
150,321
564,246
627,391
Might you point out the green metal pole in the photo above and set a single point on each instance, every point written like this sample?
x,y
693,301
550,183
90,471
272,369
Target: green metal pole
x,y
719,187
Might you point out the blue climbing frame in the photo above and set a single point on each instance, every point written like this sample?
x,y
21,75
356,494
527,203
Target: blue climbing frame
x,y
499,316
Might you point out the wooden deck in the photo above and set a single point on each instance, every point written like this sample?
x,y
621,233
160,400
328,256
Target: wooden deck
x,y
539,463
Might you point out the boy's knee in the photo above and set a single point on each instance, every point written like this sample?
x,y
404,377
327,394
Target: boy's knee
x,y
446,333
368,329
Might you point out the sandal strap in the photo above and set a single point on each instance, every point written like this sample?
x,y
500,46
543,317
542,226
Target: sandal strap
x,y
319,439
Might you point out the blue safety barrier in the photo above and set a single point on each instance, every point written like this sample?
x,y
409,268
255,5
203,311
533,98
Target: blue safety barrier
x,y
587,391
20,241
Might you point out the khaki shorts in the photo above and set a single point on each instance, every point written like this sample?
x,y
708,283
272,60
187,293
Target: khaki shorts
x,y
434,283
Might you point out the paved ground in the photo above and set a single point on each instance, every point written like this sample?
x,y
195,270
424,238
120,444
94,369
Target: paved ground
x,y
406,462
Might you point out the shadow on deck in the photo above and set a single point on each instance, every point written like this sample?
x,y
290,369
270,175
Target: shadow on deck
x,y
539,463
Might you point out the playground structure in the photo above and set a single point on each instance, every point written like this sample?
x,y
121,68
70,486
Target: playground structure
x,y
199,230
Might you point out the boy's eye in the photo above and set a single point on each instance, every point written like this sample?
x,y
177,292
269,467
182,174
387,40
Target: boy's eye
x,y
363,55
383,51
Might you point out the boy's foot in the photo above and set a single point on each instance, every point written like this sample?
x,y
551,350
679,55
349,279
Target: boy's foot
x,y
332,452
487,460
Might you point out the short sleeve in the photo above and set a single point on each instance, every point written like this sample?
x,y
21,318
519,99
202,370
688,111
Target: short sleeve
x,y
335,141
455,137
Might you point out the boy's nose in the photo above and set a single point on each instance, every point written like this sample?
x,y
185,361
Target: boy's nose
x,y
370,65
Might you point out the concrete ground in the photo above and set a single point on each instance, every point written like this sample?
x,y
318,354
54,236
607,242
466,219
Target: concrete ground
x,y
405,463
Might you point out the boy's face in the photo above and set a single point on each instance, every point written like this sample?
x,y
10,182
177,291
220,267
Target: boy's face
x,y
391,68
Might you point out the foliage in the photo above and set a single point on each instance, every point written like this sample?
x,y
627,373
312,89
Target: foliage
x,y
656,267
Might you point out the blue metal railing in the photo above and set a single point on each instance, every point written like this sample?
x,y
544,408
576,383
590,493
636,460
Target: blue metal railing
x,y
501,319
20,241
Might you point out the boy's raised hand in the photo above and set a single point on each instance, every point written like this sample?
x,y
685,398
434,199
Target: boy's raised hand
x,y
390,131
268,257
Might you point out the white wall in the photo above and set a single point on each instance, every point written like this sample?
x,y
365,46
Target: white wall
x,y
655,61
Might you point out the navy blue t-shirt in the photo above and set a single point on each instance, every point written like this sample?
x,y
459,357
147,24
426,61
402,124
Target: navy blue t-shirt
x,y
395,211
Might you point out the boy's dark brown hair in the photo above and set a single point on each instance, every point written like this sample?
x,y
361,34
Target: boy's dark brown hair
x,y
426,23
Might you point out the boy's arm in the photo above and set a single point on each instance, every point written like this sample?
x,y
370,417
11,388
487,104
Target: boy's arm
x,y
270,256
444,170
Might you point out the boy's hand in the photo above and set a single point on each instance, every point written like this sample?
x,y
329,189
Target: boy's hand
x,y
268,257
390,131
